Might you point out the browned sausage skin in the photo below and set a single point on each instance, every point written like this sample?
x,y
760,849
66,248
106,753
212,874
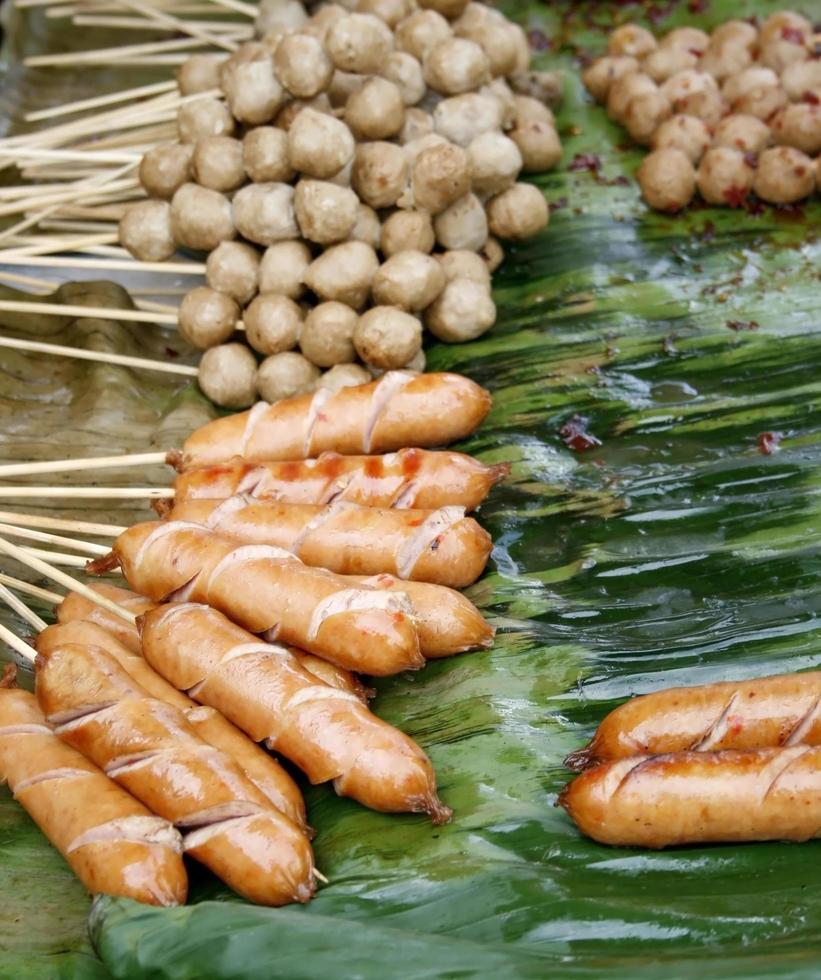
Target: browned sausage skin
x,y
114,845
264,772
440,546
267,590
700,798
410,478
400,409
767,712
328,733
149,749
75,608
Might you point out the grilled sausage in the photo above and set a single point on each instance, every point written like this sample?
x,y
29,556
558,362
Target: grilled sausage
x,y
700,798
329,734
112,842
149,749
440,546
76,607
400,409
755,714
409,478
268,591
264,772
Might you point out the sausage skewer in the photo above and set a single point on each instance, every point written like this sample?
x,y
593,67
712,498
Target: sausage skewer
x,y
700,797
263,771
440,546
268,591
112,843
75,607
767,712
149,749
400,409
409,478
328,733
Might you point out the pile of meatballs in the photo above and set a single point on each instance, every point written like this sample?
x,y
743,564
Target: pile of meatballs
x,y
351,177
732,113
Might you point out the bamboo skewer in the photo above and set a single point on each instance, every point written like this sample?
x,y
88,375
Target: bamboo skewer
x,y
28,589
56,575
22,610
76,465
72,58
65,262
55,557
80,105
85,312
61,524
18,645
123,360
88,493
153,13
27,534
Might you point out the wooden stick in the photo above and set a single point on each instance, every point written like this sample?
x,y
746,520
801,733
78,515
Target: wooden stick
x,y
80,105
241,8
88,493
71,58
44,568
22,610
182,26
56,557
225,27
27,534
100,357
57,244
62,524
77,465
28,589
60,262
18,645
86,156
98,312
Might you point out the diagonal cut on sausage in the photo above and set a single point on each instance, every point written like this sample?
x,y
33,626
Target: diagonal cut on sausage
x,y
440,546
700,798
264,772
755,714
269,591
76,607
112,843
149,749
329,734
400,409
416,478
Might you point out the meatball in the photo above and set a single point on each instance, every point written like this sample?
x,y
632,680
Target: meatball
x,y
724,176
667,180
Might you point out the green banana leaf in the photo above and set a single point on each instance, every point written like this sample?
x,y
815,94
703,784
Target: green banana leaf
x,y
674,552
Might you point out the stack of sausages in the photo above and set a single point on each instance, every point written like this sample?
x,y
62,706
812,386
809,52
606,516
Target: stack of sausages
x,y
271,584
727,762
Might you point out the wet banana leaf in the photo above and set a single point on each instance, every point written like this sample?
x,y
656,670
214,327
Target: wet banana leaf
x,y
673,549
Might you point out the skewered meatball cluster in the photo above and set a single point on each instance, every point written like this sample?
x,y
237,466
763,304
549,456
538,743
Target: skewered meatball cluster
x,y
350,175
728,114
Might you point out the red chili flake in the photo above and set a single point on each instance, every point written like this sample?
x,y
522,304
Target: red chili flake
x,y
792,34
669,347
743,324
538,40
559,204
736,196
170,352
575,435
751,160
697,7
810,98
768,443
586,161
